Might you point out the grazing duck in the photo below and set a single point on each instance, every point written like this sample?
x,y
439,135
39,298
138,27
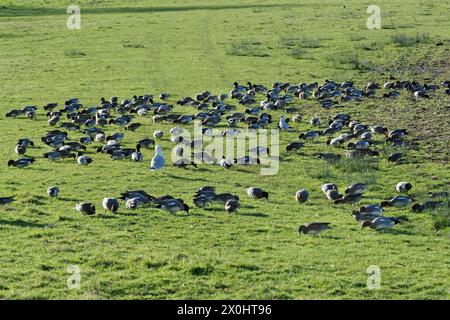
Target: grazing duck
x,y
397,202
53,191
132,126
226,163
21,163
349,198
164,96
360,216
297,118
173,206
403,187
380,223
315,122
85,208
301,196
52,155
158,134
25,142
328,186
6,200
110,204
429,205
374,209
329,157
157,162
356,188
257,193
231,206
247,160
378,129
310,135
395,157
292,146
136,156
84,160
201,201
13,113
183,163
132,203
333,195
100,137
359,145
146,142
222,198
118,136
313,228
141,195
439,194
86,140
20,150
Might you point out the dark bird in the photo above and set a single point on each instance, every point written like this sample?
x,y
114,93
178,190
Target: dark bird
x,y
429,205
395,157
6,200
231,205
53,191
301,196
349,198
21,163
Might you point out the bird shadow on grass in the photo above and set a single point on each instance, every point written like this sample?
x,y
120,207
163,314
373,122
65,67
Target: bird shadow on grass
x,y
186,178
69,199
256,215
397,232
214,209
125,214
21,223
105,216
187,215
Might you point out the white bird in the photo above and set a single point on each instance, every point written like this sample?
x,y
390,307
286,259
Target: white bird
x,y
226,163
158,159
283,124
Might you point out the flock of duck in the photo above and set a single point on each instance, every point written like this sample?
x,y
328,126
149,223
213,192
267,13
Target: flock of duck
x,y
356,138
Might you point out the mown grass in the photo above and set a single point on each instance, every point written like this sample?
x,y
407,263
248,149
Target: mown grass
x,y
255,254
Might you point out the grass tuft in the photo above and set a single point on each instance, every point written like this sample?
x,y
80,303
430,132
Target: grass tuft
x,y
250,48
404,40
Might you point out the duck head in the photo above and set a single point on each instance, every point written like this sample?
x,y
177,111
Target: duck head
x,y
365,224
385,204
301,229
114,208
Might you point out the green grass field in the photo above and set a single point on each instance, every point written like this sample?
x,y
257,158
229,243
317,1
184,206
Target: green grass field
x,y
137,47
